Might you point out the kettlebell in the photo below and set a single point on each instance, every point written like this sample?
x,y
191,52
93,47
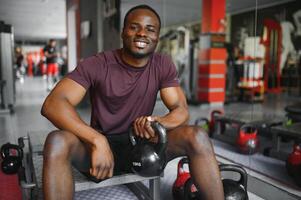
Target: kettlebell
x,y
293,164
12,156
182,177
235,189
147,158
247,140
190,190
203,123
212,126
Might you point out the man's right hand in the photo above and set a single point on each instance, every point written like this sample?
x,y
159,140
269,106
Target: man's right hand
x,y
102,159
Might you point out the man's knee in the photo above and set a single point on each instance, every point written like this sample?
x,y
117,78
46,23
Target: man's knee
x,y
58,145
197,140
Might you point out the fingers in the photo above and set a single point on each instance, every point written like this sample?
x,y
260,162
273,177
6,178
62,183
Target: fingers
x,y
142,127
103,173
102,170
111,172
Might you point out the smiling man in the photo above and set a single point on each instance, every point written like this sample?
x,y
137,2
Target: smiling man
x,y
123,86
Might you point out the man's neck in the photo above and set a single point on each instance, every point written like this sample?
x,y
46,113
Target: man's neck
x,y
135,62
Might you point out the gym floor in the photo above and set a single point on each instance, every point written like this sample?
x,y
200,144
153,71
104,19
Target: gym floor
x,y
31,93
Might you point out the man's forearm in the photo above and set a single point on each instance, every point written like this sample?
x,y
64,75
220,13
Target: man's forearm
x,y
64,116
175,118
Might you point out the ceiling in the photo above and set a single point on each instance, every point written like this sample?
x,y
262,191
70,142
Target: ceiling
x,y
43,19
35,19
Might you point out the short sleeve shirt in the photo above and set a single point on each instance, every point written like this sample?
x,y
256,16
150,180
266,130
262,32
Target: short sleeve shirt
x,y
119,93
50,50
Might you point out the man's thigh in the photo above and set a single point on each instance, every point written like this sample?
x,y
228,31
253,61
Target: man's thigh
x,y
120,146
80,156
176,142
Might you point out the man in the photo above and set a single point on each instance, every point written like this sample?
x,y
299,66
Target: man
x,y
51,61
123,86
19,60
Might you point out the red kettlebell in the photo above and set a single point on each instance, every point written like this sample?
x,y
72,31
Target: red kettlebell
x,y
247,140
293,164
182,177
212,127
190,191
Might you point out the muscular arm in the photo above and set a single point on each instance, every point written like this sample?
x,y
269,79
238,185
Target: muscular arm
x,y
175,100
59,108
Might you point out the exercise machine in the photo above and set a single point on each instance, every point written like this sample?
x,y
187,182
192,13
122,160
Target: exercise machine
x,y
7,77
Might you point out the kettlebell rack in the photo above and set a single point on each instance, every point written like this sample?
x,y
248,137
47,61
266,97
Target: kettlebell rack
x,y
31,175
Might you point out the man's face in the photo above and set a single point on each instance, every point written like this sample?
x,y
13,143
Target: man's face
x,y
140,33
52,43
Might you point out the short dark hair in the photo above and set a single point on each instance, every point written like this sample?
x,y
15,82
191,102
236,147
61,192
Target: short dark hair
x,y
142,6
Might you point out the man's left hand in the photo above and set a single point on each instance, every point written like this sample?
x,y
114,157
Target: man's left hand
x,y
142,127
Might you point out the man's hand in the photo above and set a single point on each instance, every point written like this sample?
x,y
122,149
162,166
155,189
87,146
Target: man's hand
x,y
142,127
102,159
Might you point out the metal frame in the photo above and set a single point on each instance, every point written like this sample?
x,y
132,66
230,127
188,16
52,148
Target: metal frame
x,y
31,178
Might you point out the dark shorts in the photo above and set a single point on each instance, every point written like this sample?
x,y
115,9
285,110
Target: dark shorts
x,y
121,148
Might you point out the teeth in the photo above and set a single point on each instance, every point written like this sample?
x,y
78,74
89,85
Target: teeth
x,y
140,44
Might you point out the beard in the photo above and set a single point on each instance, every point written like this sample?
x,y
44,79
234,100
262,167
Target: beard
x,y
137,55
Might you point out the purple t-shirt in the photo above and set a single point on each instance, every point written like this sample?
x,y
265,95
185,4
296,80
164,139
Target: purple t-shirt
x,y
119,93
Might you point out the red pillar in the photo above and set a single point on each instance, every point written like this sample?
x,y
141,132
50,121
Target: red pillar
x,y
212,55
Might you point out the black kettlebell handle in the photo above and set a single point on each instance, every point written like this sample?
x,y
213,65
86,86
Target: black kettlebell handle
x,y
5,151
158,128
247,127
198,120
236,168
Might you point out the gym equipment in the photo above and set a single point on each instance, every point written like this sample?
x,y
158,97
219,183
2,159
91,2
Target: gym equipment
x,y
235,189
271,39
203,123
259,119
12,156
247,140
294,112
212,125
182,177
251,82
2,85
148,159
176,42
232,189
293,132
293,164
6,68
30,176
190,191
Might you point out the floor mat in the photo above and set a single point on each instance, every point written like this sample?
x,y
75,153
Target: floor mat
x,y
9,187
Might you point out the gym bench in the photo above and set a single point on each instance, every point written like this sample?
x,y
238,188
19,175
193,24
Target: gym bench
x,y
292,132
259,119
31,174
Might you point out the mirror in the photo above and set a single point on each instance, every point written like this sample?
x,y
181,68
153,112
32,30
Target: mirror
x,y
253,127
